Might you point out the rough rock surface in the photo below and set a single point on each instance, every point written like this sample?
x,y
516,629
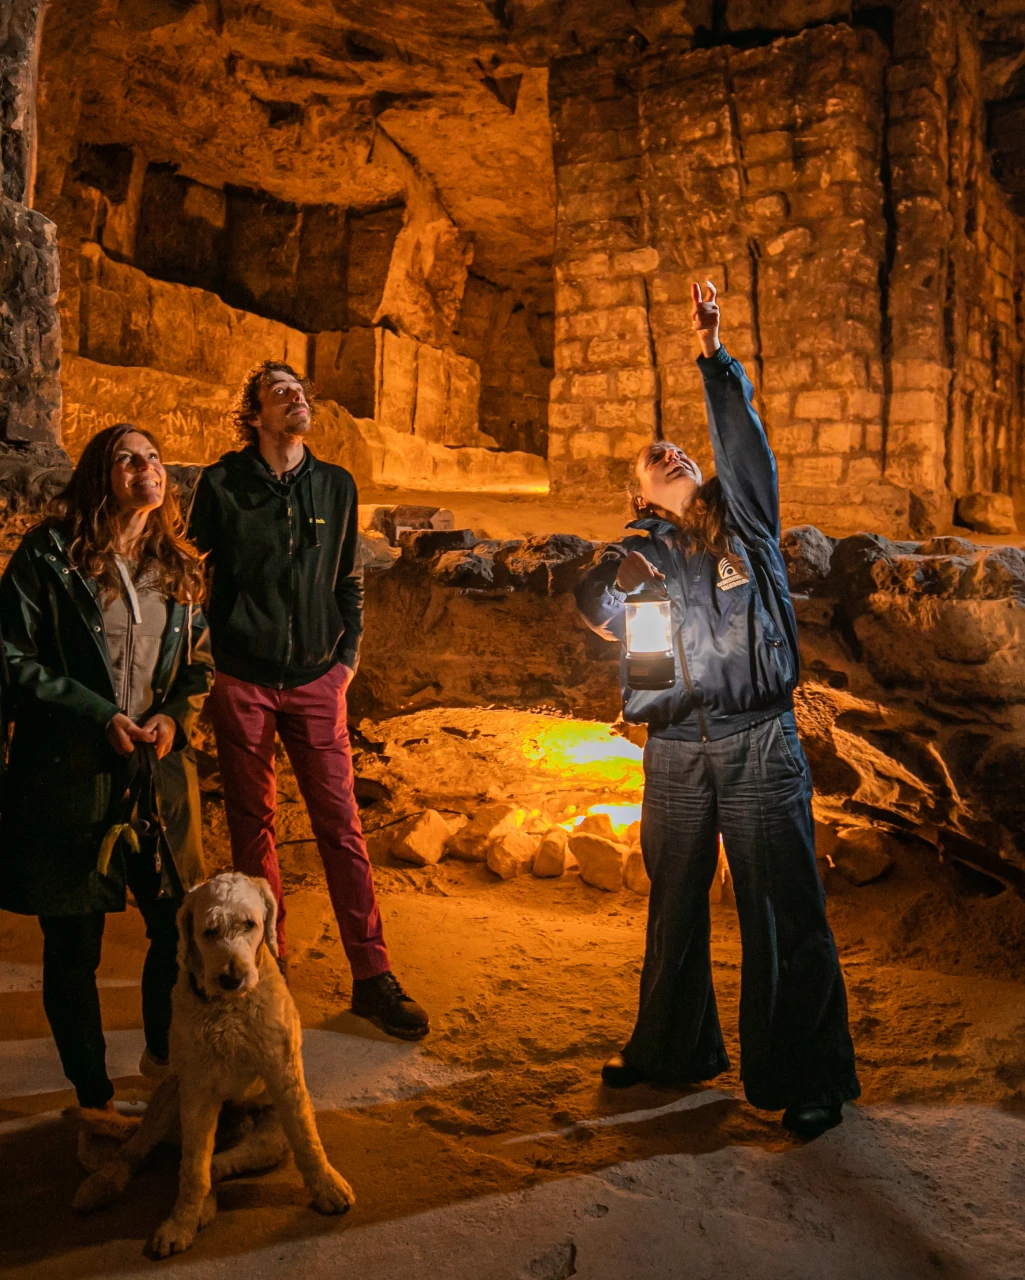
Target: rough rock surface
x,y
30,340
382,177
987,512
862,855
422,839
635,876
911,705
553,856
601,861
512,854
597,824
487,825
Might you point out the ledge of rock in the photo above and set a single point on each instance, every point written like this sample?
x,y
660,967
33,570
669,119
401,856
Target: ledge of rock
x,y
911,704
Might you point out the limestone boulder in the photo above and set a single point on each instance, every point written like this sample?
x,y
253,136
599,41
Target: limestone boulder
x,y
635,876
512,854
464,569
422,544
422,839
486,826
602,862
553,857
596,824
547,565
862,854
807,552
987,512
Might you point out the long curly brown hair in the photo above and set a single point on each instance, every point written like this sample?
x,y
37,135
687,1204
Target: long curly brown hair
x,y
85,514
246,403
703,525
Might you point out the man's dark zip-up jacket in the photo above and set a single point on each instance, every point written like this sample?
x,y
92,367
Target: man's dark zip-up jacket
x,y
286,601
734,634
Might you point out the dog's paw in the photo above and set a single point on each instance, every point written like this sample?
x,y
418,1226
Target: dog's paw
x,y
102,1187
331,1193
171,1237
209,1210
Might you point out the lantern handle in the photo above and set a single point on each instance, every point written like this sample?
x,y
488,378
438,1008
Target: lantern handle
x,y
653,588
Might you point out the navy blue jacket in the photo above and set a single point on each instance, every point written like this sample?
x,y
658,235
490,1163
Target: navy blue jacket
x,y
735,634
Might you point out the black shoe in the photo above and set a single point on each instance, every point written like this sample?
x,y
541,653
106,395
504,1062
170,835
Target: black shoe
x,y
382,1000
617,1073
810,1121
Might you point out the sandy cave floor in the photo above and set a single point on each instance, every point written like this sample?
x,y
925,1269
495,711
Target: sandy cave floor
x,y
491,1149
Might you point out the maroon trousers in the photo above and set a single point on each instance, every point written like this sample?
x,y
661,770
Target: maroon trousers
x,y
311,723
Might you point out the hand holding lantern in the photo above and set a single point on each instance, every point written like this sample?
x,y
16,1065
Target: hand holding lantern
x,y
649,637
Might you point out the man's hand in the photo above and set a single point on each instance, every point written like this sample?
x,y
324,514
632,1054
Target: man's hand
x,y
123,733
705,317
160,730
633,570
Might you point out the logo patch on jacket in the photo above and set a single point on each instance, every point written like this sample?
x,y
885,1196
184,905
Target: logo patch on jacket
x,y
729,577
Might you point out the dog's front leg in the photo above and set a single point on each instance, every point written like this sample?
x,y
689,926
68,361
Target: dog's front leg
x,y
196,1203
287,1086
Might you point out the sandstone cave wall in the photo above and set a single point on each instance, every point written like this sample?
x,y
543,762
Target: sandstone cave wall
x,y
836,188
369,301
30,340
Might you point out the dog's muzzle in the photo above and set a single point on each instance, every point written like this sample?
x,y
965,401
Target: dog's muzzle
x,y
229,982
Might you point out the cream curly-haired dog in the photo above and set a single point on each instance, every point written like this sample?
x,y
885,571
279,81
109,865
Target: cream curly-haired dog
x,y
235,1038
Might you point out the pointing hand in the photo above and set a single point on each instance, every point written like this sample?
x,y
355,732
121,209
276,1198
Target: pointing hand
x,y
705,317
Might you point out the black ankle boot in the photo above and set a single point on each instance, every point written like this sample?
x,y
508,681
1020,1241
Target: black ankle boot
x,y
382,1000
617,1073
809,1120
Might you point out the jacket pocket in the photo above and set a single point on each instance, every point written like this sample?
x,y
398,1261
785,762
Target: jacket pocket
x,y
250,630
321,630
788,745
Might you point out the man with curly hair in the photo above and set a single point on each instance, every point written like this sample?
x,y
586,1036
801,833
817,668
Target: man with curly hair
x,y
286,616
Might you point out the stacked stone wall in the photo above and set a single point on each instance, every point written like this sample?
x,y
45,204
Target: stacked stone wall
x,y
756,169
837,191
506,340
955,415
125,318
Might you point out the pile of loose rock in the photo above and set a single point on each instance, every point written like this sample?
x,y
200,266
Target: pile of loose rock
x,y
499,835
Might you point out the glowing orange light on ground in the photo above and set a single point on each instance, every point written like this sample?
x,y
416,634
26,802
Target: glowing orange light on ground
x,y
590,751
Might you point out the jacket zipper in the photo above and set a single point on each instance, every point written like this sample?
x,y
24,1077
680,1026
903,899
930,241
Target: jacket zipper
x,y
126,674
690,689
703,728
289,645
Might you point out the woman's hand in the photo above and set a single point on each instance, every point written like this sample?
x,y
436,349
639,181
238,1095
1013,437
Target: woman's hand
x,y
160,730
705,317
123,733
633,570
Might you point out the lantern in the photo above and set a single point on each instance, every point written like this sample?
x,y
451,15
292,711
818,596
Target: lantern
x,y
649,638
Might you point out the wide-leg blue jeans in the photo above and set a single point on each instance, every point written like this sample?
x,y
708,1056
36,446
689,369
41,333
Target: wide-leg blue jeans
x,y
755,788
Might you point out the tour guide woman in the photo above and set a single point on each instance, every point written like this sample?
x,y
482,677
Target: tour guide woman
x,y
108,668
723,755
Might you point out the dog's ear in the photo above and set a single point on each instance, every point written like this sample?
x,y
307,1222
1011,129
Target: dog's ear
x,y
188,953
270,914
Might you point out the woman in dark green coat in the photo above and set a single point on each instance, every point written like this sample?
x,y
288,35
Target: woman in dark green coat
x,y
108,667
